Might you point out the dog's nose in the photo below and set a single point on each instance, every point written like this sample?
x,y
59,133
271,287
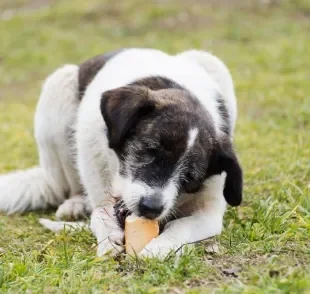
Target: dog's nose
x,y
150,207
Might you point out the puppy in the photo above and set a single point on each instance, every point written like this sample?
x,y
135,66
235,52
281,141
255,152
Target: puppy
x,y
152,129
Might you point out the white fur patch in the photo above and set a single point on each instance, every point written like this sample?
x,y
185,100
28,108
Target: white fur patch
x,y
107,231
72,208
169,194
131,191
57,226
192,135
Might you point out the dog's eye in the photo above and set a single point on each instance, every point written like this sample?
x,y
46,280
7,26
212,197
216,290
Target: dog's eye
x,y
156,153
152,152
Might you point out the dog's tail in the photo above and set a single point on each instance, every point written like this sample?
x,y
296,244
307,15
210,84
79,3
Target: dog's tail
x,y
27,190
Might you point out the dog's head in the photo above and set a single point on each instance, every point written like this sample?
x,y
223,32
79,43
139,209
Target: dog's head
x,y
166,144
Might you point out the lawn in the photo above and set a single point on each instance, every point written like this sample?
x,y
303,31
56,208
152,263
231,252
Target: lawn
x,y
265,247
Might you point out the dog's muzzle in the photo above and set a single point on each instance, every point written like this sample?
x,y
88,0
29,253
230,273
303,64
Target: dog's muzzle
x,y
150,207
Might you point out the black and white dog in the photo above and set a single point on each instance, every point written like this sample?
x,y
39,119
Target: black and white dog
x,y
152,129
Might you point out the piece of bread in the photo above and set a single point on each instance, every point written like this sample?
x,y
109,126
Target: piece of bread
x,y
138,233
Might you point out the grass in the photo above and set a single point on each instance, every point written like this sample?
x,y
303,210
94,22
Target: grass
x,y
265,247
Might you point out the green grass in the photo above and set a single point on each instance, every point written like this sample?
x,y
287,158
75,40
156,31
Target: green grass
x,y
267,49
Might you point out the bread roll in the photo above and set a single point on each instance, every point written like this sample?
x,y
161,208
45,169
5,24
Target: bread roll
x,y
138,233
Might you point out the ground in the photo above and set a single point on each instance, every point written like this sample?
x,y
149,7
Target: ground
x,y
265,246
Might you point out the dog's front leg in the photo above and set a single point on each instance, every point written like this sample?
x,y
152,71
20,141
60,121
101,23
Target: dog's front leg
x,y
104,223
110,236
201,225
97,165
184,231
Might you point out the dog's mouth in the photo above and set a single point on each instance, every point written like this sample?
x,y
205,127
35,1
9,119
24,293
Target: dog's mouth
x,y
121,212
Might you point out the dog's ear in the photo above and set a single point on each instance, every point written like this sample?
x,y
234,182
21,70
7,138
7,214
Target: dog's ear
x,y
223,158
122,108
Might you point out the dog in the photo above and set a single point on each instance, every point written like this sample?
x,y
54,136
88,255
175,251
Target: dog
x,y
152,129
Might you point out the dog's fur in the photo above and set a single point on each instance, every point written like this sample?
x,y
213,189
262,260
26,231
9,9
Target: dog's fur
x,y
153,129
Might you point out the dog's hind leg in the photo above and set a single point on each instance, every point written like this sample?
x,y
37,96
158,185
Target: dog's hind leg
x,y
56,138
56,178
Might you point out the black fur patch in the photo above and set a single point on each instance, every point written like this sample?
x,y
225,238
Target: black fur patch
x,y
89,69
224,159
158,114
163,145
122,108
121,212
148,125
156,83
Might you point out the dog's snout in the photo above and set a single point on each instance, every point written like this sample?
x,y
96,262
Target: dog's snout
x,y
150,207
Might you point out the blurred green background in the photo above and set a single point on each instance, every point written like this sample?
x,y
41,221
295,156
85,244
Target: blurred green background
x,y
266,46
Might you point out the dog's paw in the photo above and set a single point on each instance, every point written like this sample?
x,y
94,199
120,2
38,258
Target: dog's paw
x,y
111,245
159,248
72,209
